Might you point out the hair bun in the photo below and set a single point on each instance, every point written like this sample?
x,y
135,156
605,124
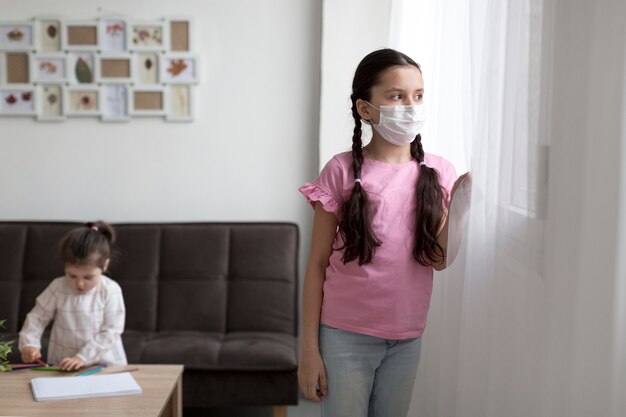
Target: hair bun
x,y
103,228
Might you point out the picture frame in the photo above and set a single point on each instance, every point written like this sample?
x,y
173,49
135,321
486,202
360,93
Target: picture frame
x,y
180,30
50,103
146,67
81,35
18,100
82,101
18,35
15,67
147,36
179,69
114,68
115,102
81,67
48,67
180,103
113,35
49,30
111,67
148,101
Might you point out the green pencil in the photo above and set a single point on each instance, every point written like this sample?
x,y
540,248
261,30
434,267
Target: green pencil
x,y
51,368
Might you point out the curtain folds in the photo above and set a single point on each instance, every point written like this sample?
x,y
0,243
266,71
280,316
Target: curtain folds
x,y
527,321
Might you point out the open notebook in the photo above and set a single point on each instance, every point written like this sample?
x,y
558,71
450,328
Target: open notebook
x,y
63,388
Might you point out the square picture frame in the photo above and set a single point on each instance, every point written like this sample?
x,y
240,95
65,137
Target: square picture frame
x,y
147,66
50,103
179,69
48,67
115,102
82,68
18,35
18,100
180,103
81,35
82,101
148,101
49,30
114,68
113,35
147,36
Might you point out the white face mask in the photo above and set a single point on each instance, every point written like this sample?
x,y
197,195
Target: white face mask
x,y
400,124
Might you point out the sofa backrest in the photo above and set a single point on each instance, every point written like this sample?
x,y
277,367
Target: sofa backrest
x,y
216,277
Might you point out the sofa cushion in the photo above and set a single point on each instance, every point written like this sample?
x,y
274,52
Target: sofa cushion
x,y
240,351
42,261
256,351
136,266
261,284
194,270
134,344
12,247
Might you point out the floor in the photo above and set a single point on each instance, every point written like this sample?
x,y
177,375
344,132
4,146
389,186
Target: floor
x,y
305,408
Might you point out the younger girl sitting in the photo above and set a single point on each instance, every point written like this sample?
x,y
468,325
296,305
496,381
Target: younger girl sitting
x,y
87,307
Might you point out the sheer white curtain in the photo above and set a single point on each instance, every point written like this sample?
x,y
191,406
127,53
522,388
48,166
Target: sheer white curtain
x,y
528,320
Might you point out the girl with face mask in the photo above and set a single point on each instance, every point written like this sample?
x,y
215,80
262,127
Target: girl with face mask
x,y
380,228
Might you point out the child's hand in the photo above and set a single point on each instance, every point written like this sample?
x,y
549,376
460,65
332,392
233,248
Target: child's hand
x,y
68,364
30,354
464,183
461,193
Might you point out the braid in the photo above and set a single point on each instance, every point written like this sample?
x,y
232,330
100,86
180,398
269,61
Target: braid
x,y
429,210
355,226
417,150
357,147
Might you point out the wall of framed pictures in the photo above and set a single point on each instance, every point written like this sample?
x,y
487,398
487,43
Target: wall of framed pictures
x,y
111,68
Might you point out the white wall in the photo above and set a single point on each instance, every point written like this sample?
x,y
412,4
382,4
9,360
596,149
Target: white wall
x,y
351,30
254,140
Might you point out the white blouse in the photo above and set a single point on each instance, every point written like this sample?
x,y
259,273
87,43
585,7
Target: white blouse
x,y
87,325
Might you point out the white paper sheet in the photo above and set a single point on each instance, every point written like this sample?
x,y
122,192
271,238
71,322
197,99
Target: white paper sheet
x,y
62,388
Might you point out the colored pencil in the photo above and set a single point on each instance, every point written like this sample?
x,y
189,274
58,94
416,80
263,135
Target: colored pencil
x,y
91,371
125,370
42,363
24,365
50,368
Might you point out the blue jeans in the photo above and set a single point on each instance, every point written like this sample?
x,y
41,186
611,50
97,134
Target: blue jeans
x,y
367,376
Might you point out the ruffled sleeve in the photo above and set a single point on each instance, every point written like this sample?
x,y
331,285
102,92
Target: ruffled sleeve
x,y
328,188
314,193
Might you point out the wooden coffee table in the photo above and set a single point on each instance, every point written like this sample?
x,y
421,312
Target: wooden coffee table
x,y
161,396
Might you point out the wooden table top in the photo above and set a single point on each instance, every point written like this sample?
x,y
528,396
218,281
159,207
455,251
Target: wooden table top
x,y
158,383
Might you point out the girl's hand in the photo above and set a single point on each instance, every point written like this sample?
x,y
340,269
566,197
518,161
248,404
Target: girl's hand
x,y
460,196
30,354
69,364
463,183
312,376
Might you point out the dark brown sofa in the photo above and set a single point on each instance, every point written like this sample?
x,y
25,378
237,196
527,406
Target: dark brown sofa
x,y
219,298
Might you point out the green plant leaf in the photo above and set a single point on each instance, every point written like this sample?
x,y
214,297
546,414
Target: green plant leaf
x,y
83,72
5,349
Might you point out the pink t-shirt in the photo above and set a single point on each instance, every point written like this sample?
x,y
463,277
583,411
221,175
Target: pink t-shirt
x,y
389,297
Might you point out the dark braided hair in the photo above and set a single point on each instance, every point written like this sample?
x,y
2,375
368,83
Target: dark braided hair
x,y
429,209
355,226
